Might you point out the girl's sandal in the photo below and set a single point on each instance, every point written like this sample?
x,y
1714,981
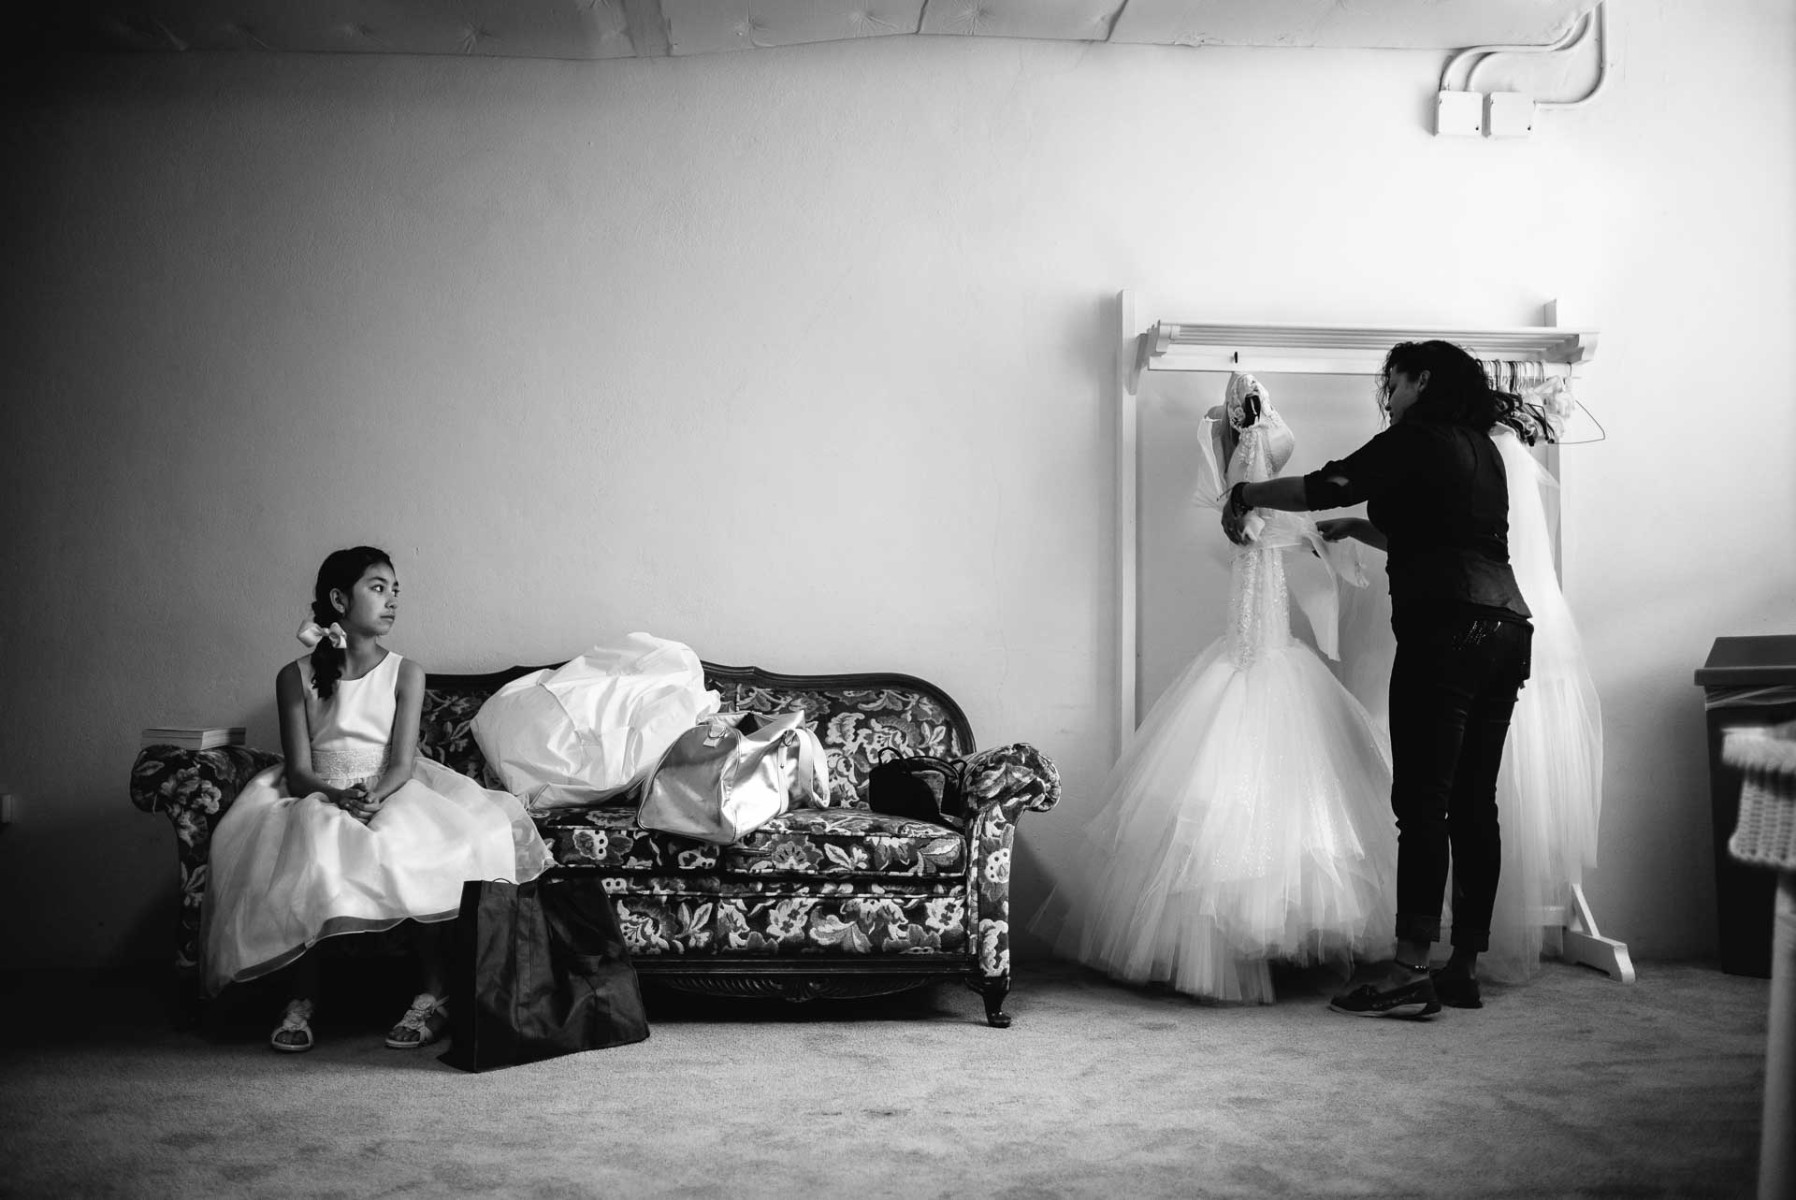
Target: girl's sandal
x,y
423,1023
294,1034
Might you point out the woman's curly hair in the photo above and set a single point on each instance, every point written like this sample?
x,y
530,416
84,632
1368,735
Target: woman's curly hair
x,y
1457,392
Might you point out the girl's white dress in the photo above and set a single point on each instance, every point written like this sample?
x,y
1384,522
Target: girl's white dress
x,y
1550,788
286,871
1250,818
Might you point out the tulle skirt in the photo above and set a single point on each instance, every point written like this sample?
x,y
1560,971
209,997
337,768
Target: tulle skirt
x,y
287,871
1250,820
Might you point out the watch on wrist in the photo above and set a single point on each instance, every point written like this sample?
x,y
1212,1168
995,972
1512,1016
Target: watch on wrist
x,y
1238,499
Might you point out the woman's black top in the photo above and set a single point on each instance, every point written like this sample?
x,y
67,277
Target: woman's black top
x,y
1440,496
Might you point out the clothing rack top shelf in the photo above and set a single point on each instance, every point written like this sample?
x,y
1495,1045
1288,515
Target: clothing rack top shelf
x,y
1342,349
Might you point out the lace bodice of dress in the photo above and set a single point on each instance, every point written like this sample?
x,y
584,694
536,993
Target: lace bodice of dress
x,y
350,731
1259,600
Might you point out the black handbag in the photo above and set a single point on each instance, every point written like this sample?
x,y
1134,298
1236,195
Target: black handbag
x,y
917,788
537,970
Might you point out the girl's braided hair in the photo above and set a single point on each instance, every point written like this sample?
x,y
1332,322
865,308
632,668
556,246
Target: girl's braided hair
x,y
339,572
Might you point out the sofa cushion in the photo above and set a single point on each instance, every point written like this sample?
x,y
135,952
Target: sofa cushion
x,y
819,919
852,841
695,916
609,837
803,842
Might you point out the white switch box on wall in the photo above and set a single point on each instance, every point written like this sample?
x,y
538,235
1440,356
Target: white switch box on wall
x,y
7,802
1508,114
1459,114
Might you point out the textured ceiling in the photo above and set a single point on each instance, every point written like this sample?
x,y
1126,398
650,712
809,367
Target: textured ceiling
x,y
596,29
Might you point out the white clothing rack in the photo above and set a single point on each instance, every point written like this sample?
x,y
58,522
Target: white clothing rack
x,y
1341,349
1312,350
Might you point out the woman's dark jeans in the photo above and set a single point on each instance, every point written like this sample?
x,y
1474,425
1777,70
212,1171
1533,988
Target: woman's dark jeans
x,y
1453,687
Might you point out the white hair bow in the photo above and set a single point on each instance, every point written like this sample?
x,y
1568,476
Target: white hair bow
x,y
311,633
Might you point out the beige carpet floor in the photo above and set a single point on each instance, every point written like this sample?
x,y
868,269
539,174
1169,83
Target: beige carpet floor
x,y
1573,1085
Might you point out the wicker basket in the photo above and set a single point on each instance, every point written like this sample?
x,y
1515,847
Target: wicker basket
x,y
1766,833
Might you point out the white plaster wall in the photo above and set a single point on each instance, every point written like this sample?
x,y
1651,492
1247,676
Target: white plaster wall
x,y
799,356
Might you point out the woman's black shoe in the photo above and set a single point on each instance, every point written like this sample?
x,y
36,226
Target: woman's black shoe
x,y
1457,989
1413,1000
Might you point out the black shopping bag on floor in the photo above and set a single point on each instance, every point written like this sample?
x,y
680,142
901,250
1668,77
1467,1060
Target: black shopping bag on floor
x,y
538,969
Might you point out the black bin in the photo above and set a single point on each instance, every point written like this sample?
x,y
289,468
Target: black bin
x,y
1748,682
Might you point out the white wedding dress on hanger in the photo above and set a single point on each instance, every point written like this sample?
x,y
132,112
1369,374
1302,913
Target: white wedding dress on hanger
x,y
1250,818
1549,791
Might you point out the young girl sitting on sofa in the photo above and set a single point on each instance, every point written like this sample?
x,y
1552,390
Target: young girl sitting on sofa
x,y
355,832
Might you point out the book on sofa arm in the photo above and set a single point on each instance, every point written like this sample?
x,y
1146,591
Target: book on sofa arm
x,y
192,739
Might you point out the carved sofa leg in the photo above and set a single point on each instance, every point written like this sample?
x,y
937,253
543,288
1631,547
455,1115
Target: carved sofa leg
x,y
994,989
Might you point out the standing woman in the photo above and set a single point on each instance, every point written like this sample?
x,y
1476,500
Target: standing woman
x,y
1437,501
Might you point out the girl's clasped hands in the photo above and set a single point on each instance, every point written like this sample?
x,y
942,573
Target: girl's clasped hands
x,y
356,801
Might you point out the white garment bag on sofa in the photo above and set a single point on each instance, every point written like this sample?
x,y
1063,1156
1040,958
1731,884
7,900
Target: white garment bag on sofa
x,y
589,730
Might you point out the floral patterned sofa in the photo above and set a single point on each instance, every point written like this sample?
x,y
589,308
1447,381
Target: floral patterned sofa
x,y
818,903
